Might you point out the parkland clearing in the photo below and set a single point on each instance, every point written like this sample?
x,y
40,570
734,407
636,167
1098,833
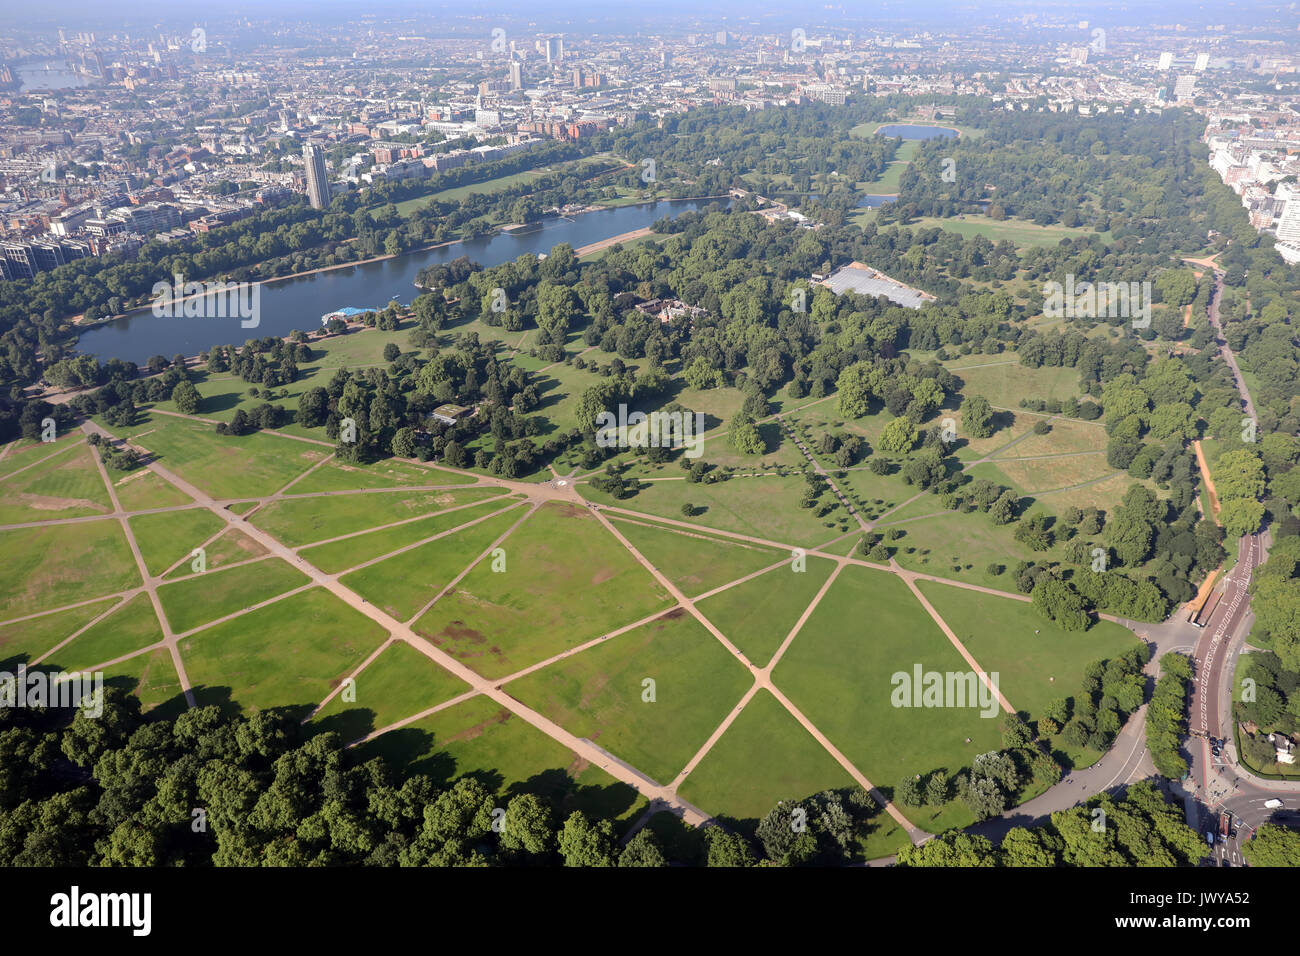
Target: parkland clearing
x,y
665,642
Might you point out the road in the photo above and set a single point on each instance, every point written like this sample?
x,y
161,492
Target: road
x,y
1219,782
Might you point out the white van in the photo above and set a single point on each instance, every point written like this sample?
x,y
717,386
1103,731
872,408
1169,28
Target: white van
x,y
1273,804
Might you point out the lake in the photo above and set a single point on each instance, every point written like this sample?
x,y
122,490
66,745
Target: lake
x,y
298,303
912,131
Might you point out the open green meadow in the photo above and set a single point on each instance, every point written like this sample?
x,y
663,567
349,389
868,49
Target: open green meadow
x,y
63,564
765,756
287,654
566,580
479,738
399,683
838,672
205,597
602,694
758,615
66,485
406,582
128,629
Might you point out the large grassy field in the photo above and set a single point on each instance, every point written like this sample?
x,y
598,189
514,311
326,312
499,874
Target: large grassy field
x,y
963,546
399,683
152,678
299,521
67,485
131,627
601,693
24,641
338,556
764,756
141,489
385,473
63,564
404,583
196,600
838,672
23,453
757,616
287,654
1004,382
694,562
766,507
224,466
1019,231
481,739
1037,661
566,580
169,536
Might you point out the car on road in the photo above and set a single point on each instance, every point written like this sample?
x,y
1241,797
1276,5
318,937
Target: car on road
x,y
1273,804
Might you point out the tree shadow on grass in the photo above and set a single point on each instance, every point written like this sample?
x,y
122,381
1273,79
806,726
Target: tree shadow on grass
x,y
351,724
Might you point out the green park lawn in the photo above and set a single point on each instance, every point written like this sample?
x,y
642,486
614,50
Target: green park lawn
x,y
224,466
338,556
169,536
399,683
694,562
601,693
1022,232
299,521
67,485
1037,661
131,627
566,580
1005,382
406,582
152,678
838,672
26,454
763,757
481,739
766,507
63,564
25,640
141,489
758,615
385,473
202,598
287,654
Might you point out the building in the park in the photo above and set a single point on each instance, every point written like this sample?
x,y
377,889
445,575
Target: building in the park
x,y
318,184
864,280
451,414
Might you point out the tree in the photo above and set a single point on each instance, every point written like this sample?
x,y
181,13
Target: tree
x,y
583,843
977,417
688,510
642,850
700,374
528,826
898,436
1273,845
908,792
858,384
1061,604
1015,732
1027,847
728,849
313,407
404,442
953,848
186,397
937,789
745,437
